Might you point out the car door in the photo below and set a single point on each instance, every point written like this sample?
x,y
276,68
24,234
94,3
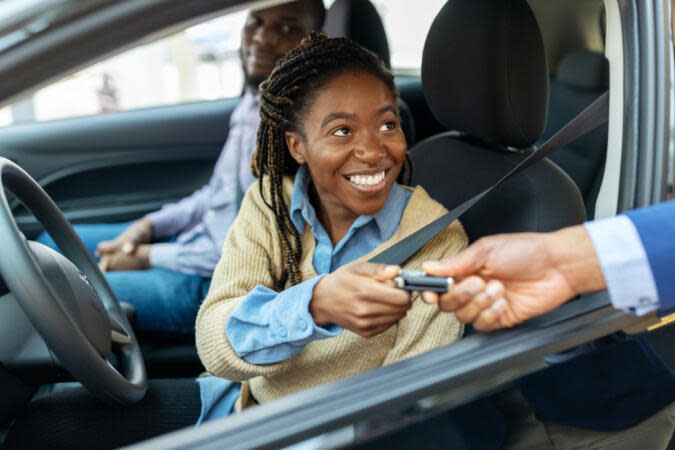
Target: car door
x,y
415,391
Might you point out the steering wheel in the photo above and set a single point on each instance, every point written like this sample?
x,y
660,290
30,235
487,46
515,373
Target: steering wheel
x,y
66,298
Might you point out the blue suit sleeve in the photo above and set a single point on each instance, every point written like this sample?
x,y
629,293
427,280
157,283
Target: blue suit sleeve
x,y
269,326
656,227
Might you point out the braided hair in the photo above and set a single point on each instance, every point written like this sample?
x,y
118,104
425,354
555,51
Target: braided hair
x,y
284,100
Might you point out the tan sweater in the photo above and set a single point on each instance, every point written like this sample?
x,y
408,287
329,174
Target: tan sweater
x,y
253,256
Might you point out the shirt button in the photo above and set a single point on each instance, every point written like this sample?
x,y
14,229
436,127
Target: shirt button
x,y
281,331
302,325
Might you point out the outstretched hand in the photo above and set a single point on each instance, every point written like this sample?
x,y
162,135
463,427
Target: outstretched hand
x,y
507,279
355,298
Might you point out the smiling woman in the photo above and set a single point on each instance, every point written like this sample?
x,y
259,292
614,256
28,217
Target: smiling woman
x,y
293,301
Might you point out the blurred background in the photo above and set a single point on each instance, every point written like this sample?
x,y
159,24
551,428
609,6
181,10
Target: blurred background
x,y
199,63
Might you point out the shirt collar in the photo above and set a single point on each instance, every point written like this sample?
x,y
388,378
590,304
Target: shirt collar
x,y
386,219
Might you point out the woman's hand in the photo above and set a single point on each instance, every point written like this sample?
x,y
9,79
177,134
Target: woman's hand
x,y
355,298
139,232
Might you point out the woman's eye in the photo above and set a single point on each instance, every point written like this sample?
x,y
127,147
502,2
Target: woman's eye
x,y
388,126
344,131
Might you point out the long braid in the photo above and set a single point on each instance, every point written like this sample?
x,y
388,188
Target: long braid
x,y
283,99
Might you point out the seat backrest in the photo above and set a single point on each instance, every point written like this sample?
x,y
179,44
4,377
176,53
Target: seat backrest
x,y
582,76
360,21
484,74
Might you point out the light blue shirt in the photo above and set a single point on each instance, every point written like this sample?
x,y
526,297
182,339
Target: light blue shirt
x,y
202,220
269,326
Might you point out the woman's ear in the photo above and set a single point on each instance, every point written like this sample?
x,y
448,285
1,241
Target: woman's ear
x,y
296,146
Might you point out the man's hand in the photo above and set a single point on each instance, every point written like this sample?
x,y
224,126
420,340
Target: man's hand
x,y
139,232
507,279
355,298
120,260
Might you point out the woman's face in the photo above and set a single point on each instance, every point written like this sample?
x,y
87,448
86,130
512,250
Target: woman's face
x,y
353,146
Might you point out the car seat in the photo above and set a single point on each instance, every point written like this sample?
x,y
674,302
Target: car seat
x,y
582,76
360,21
484,75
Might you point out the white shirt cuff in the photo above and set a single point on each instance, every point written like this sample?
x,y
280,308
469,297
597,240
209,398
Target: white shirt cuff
x,y
624,264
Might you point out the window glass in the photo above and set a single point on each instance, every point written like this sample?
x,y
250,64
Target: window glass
x,y
407,23
199,63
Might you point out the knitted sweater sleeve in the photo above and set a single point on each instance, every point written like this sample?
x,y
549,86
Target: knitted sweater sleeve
x,y
250,258
425,327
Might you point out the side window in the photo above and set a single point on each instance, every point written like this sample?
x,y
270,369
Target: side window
x,y
407,25
198,63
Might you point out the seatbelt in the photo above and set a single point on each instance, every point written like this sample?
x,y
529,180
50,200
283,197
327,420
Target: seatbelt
x,y
590,118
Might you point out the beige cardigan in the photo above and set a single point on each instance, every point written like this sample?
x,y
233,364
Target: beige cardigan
x,y
252,256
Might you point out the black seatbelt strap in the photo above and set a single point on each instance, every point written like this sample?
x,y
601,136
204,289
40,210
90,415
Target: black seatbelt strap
x,y
590,118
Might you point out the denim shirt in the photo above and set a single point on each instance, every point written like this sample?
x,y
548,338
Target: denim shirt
x,y
201,221
269,326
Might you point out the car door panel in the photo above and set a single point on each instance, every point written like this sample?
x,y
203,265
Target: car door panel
x,y
117,167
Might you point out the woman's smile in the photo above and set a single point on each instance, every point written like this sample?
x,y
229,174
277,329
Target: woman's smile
x,y
368,182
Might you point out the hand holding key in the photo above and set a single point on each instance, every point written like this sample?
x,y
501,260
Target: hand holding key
x,y
503,280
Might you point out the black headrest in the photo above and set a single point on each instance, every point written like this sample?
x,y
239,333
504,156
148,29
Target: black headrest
x,y
585,70
484,71
358,20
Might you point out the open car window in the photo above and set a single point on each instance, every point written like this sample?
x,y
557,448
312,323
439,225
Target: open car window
x,y
429,384
198,63
476,366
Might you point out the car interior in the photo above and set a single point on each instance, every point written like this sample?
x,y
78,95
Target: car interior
x,y
471,111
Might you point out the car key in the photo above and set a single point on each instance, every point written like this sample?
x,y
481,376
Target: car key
x,y
417,280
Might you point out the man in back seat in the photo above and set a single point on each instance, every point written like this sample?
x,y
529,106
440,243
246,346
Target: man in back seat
x,y
162,263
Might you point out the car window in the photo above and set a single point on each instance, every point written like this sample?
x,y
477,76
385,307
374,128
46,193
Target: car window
x,y
198,63
406,26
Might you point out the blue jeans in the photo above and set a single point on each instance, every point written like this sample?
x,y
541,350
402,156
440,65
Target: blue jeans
x,y
165,301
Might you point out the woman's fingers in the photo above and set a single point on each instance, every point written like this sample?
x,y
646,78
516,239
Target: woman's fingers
x,y
377,325
377,272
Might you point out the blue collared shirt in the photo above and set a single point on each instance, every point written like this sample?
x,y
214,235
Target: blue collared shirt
x,y
269,326
202,220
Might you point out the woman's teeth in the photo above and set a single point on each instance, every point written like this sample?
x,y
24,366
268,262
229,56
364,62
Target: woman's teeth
x,y
367,180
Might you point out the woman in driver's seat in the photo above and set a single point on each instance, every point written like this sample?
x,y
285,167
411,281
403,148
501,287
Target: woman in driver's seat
x,y
294,303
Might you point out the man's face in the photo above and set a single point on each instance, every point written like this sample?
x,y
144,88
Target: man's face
x,y
268,35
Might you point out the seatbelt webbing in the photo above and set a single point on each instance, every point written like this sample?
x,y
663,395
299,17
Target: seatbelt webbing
x,y
590,118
